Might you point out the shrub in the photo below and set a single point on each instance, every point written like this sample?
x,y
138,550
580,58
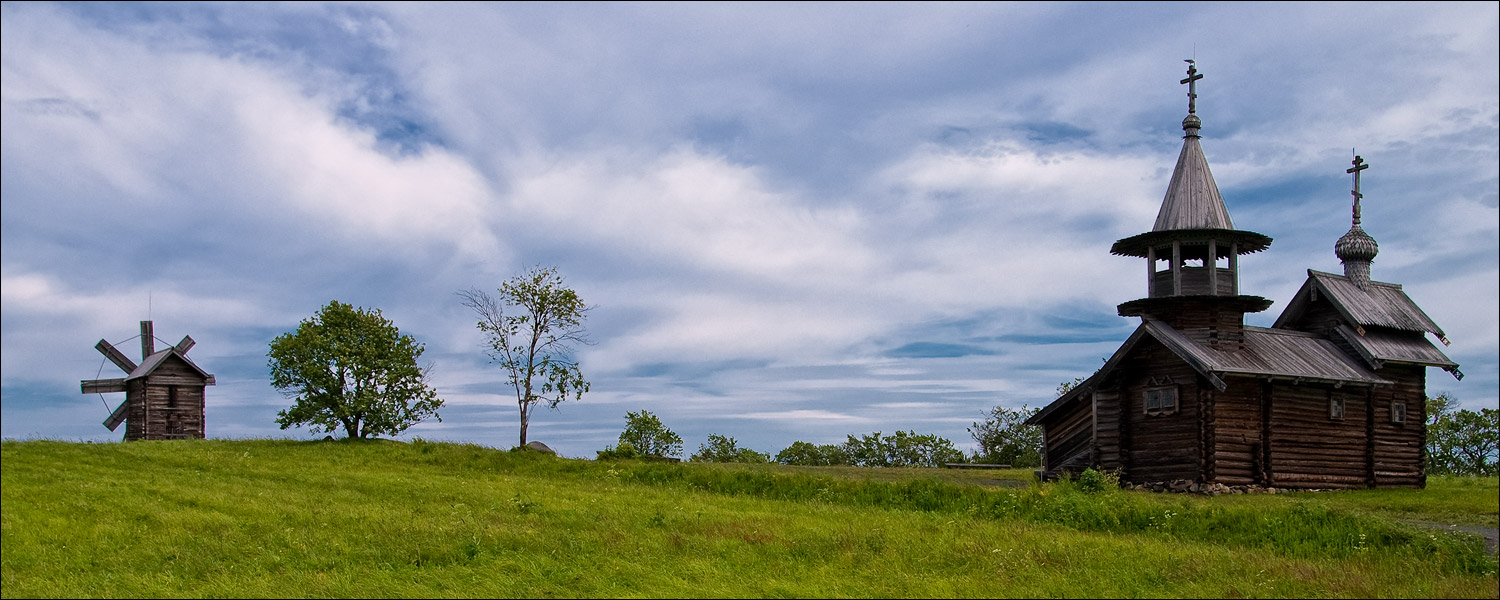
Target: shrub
x,y
1093,482
813,455
902,449
624,450
1004,438
722,449
649,436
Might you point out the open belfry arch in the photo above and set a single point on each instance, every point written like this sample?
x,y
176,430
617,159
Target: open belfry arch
x,y
1333,395
164,394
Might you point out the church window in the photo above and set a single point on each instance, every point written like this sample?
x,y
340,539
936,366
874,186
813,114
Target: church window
x,y
1336,409
1398,412
1161,400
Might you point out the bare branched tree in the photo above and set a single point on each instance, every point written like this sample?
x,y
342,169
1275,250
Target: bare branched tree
x,y
532,329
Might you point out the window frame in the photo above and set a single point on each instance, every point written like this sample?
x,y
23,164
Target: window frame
x,y
1398,413
1335,409
1175,397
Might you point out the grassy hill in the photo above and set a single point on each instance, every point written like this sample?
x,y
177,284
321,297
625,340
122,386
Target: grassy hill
x,y
280,518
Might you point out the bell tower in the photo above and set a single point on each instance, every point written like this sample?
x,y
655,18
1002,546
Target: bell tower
x,y
1192,253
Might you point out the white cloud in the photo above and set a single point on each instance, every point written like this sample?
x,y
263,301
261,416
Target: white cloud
x,y
762,205
188,132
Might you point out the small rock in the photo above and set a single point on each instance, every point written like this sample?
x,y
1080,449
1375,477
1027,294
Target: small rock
x,y
540,447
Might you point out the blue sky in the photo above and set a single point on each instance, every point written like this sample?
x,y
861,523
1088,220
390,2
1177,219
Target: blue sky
x,y
795,221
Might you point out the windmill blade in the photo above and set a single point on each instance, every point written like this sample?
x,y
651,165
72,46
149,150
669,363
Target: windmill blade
x,y
186,344
115,418
115,356
102,386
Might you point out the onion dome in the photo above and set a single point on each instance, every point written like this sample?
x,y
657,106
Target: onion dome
x,y
1356,245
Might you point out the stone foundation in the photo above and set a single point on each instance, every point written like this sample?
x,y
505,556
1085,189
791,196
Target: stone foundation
x,y
1183,486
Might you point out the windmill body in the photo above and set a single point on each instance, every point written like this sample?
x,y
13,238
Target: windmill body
x,y
164,394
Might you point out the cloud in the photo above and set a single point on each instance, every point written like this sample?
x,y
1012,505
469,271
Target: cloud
x,y
800,212
205,140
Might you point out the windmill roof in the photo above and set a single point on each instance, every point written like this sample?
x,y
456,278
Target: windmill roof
x,y
159,358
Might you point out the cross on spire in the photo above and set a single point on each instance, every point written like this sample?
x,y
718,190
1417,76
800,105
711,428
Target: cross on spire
x,y
1359,165
1192,83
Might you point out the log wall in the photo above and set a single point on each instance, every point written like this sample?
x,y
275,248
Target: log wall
x,y
1319,317
1308,449
1209,322
1398,449
1160,447
1070,439
1109,437
1235,426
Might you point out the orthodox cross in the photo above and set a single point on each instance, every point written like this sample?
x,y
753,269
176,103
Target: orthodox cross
x,y
1192,83
1359,165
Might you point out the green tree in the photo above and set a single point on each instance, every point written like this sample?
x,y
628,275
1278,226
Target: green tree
x,y
351,368
901,449
1462,442
722,449
646,435
1005,438
1440,405
531,330
813,455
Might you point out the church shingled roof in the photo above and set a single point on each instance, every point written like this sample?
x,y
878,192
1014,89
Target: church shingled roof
x,y
1378,304
1272,353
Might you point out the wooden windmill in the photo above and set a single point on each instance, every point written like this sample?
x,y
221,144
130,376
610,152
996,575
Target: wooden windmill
x,y
164,395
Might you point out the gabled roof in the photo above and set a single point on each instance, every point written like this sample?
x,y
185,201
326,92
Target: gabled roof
x,y
1379,346
1375,305
1277,353
159,358
1192,200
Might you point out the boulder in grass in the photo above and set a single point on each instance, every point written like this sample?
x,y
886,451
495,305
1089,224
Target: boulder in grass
x,y
540,447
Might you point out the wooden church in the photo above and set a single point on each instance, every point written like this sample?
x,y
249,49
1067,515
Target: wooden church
x,y
164,395
1331,396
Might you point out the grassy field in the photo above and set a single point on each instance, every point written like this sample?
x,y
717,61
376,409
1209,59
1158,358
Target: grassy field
x,y
280,518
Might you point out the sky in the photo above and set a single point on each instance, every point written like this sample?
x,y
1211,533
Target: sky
x,y
792,221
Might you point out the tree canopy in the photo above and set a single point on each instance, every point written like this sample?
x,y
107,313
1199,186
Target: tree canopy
x,y
813,455
1005,438
902,449
648,436
1462,442
721,449
531,328
351,368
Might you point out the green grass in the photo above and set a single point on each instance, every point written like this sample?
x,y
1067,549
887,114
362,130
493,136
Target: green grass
x,y
281,518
